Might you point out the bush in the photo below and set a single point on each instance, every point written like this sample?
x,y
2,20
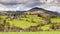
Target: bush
x,y
55,26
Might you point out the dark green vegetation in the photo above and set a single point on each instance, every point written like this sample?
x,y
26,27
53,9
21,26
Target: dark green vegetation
x,y
31,21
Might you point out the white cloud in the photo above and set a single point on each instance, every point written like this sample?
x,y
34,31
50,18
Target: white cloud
x,y
53,6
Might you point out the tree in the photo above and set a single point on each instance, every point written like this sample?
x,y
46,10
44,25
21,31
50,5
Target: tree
x,y
4,22
8,25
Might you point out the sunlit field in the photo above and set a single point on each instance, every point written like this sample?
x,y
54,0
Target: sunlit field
x,y
43,32
55,20
30,21
26,21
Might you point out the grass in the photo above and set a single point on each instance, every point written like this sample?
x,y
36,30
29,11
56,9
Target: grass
x,y
30,20
43,32
46,27
23,24
55,20
26,22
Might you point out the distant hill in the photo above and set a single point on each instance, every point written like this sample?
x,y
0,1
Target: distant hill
x,y
45,11
15,12
34,10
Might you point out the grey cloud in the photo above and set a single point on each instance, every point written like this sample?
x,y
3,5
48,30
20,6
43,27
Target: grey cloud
x,y
10,3
26,4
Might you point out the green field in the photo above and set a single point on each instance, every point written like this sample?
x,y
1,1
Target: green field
x,y
30,20
25,22
44,32
55,20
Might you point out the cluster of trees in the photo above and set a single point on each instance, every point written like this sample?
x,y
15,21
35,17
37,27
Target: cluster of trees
x,y
55,26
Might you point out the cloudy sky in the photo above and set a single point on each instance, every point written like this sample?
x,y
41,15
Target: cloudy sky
x,y
13,5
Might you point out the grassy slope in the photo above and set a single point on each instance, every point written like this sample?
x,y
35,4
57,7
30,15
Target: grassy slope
x,y
24,24
55,20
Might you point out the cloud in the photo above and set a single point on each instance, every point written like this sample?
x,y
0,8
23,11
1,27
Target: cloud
x,y
20,4
53,6
14,5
